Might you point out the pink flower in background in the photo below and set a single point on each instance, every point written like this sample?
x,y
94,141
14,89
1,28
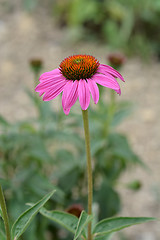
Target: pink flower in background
x,y
77,77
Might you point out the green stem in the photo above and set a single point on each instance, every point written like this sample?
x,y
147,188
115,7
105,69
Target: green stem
x,y
36,77
4,214
89,167
113,100
37,100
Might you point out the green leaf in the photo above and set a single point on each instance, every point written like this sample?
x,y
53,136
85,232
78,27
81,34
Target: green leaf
x,y
108,200
70,179
97,145
115,224
25,219
108,236
83,220
1,212
120,147
134,185
46,186
66,220
124,109
2,235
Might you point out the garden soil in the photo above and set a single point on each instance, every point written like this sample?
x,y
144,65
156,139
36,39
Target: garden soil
x,y
27,35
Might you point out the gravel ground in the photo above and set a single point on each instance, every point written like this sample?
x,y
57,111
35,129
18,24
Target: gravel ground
x,y
24,36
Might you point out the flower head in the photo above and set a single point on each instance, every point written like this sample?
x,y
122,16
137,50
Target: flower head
x,y
77,77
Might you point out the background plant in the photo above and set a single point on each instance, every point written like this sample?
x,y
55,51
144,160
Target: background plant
x,y
135,23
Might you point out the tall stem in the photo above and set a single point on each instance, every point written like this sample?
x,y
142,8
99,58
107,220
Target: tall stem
x,y
89,167
113,100
4,214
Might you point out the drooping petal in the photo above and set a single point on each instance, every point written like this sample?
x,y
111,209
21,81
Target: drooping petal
x,y
41,93
52,77
50,73
45,85
66,90
64,96
106,81
66,111
105,68
54,91
70,94
84,94
94,90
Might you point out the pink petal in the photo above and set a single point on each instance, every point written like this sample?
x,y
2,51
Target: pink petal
x,y
41,93
106,68
50,73
65,92
43,86
70,94
106,81
54,92
84,94
52,77
94,90
66,111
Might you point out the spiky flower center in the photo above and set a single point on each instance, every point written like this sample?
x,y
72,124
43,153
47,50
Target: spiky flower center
x,y
79,67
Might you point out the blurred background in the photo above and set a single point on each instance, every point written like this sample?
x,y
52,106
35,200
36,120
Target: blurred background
x,y
35,36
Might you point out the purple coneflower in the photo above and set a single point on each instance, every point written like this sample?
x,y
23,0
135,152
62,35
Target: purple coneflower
x,y
77,77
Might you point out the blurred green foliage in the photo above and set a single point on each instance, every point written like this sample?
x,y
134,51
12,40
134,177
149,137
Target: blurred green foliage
x,y
130,25
47,152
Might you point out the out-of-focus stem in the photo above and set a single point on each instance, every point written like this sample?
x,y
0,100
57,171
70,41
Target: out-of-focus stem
x,y
4,214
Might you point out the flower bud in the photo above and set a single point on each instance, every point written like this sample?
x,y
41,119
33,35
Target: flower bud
x,y
36,65
116,60
75,209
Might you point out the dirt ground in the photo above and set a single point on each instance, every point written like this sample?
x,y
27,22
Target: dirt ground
x,y
24,36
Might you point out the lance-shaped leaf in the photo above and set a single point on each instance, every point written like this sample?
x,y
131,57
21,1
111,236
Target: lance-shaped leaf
x,y
107,236
83,220
66,220
115,224
25,219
